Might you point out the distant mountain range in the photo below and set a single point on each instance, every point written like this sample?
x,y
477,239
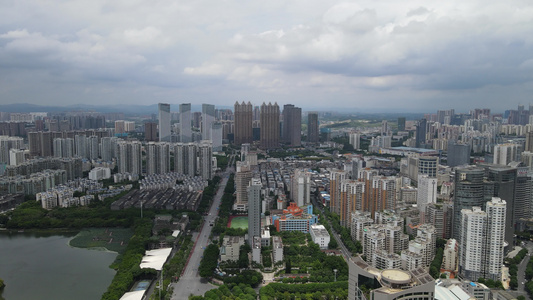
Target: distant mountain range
x,y
127,109
134,109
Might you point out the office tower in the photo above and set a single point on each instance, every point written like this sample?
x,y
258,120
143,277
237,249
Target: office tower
x,y
482,241
458,154
164,122
401,124
205,158
420,137
427,192
470,191
197,119
243,123
506,153
312,127
292,125
504,180
301,187
426,165
129,157
269,126
243,176
208,117
216,136
523,201
185,123
336,178
108,148
355,140
254,210
529,140
150,131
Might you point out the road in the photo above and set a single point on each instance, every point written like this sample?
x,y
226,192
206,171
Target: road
x,y
520,276
345,252
190,282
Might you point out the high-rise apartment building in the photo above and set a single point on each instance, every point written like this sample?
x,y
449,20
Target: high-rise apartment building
x,y
482,241
185,156
292,125
205,159
270,126
185,123
506,153
129,157
312,127
243,123
7,143
355,140
157,158
504,180
243,176
427,192
254,210
336,178
208,117
108,148
529,139
216,136
164,122
301,187
351,200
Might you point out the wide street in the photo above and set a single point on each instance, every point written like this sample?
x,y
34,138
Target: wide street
x,y
520,276
190,282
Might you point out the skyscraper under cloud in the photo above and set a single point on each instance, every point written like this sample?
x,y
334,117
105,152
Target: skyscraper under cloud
x,y
312,127
243,123
269,126
185,123
292,125
164,122
208,117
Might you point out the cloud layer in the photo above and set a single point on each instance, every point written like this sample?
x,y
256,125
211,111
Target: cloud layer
x,y
370,55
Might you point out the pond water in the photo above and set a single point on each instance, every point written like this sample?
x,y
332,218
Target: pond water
x,y
43,266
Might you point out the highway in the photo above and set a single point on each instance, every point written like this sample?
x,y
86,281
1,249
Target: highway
x,y
190,282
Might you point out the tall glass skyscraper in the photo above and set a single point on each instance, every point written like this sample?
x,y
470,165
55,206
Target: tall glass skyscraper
x,y
164,122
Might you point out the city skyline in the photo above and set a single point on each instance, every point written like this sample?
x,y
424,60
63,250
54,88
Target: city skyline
x,y
368,56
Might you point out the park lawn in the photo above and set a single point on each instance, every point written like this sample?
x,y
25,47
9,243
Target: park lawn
x,y
112,239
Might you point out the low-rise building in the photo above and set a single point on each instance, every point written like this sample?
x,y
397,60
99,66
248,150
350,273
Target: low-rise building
x,y
231,246
320,236
277,249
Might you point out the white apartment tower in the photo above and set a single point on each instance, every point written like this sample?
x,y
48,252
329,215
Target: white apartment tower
x,y
427,192
482,241
254,210
301,187
205,158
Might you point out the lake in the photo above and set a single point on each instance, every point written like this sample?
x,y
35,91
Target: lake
x,y
43,266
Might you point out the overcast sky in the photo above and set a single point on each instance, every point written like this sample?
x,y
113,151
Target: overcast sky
x,y
385,55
